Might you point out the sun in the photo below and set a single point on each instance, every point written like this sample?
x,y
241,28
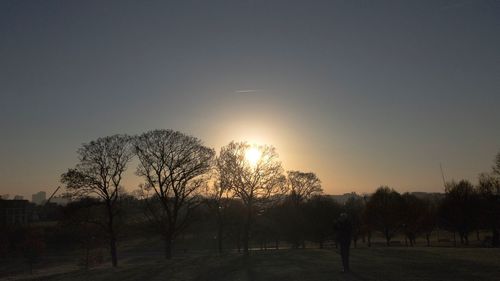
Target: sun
x,y
252,155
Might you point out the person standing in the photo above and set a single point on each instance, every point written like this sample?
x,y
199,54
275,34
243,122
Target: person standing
x,y
343,229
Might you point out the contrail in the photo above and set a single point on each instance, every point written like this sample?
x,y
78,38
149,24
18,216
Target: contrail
x,y
245,91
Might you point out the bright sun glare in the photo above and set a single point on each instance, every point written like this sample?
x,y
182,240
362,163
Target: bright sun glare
x,y
252,155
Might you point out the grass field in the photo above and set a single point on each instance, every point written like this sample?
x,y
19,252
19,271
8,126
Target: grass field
x,y
379,263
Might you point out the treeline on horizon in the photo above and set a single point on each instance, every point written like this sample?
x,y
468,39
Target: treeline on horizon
x,y
189,190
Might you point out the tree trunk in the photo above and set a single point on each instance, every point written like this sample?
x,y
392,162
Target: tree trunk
x,y
168,246
495,238
219,238
238,241
112,236
246,230
427,237
246,237
112,246
87,254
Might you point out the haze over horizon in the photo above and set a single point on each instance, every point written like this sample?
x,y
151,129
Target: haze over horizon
x,y
363,94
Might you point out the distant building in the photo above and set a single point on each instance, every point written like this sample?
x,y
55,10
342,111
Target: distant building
x,y
4,196
39,198
342,199
59,200
15,212
431,196
18,197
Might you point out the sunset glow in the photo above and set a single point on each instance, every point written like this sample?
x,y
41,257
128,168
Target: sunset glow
x,y
222,140
295,79
252,155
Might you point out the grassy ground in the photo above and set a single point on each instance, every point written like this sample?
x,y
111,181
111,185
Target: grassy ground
x,y
380,263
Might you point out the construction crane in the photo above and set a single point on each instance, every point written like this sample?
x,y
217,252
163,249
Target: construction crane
x,y
53,193
43,213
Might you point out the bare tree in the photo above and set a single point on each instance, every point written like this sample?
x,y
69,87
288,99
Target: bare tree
x,y
489,192
99,173
218,198
459,209
173,166
302,186
354,207
496,166
320,214
384,212
414,212
255,180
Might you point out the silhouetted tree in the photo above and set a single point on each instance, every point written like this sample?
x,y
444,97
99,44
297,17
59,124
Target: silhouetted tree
x,y
99,173
301,186
32,247
321,212
414,211
366,225
218,198
235,215
459,209
82,221
292,221
4,241
264,230
494,199
496,167
489,196
354,208
256,184
384,212
174,166
428,219
274,216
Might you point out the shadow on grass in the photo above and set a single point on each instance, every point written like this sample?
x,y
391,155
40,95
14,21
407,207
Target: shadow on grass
x,y
367,264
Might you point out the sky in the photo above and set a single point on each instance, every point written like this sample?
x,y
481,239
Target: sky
x,y
363,93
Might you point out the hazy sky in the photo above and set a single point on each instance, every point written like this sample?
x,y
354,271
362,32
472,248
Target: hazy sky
x,y
364,93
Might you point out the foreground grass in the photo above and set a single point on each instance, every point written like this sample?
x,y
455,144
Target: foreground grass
x,y
367,264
